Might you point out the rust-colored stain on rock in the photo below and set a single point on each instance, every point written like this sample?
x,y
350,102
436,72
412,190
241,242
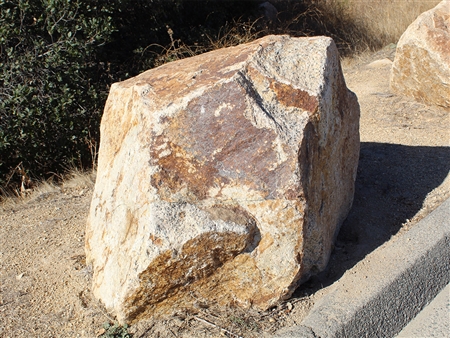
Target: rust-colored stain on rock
x,y
173,273
131,224
439,34
227,148
421,68
292,97
156,240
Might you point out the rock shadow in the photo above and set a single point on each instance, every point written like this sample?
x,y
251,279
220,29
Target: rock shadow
x,y
391,185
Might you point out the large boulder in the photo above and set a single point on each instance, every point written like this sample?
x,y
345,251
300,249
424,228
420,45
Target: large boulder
x,y
223,177
421,67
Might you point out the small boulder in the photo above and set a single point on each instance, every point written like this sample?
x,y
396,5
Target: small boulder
x,y
223,177
421,67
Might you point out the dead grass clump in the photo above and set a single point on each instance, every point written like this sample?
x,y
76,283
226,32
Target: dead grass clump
x,y
231,34
74,179
370,24
40,190
385,20
235,33
79,179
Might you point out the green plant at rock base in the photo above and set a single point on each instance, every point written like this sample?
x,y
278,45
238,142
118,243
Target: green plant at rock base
x,y
115,331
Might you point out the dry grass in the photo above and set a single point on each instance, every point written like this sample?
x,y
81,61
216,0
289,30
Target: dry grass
x,y
78,179
374,23
231,34
75,179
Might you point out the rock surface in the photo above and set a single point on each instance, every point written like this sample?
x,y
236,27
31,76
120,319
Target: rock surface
x,y
421,67
222,178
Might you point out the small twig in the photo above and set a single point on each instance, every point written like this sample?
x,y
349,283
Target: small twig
x,y
13,172
104,314
209,314
204,321
172,333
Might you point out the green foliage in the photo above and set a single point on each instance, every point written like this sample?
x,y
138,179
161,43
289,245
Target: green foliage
x,y
115,331
51,90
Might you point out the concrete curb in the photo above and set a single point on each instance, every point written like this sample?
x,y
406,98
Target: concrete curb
x,y
433,320
391,285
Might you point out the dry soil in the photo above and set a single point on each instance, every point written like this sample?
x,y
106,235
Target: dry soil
x,y
402,176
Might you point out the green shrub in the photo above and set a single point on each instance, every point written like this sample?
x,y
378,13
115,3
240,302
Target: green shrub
x,y
51,89
114,330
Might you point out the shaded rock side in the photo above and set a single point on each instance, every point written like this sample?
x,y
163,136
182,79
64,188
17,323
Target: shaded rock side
x,y
421,67
222,178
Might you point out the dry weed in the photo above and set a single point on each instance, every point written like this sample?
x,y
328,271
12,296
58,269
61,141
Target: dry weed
x,y
78,179
74,179
177,50
235,33
381,21
232,34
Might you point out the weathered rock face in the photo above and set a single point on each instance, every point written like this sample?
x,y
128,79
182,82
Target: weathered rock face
x,y
421,67
223,177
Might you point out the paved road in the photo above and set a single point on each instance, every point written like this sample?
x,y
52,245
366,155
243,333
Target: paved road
x,y
433,320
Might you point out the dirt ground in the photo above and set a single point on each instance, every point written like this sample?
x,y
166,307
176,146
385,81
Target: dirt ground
x,y
402,176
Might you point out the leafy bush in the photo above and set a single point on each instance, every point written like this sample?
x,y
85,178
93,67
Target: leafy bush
x,y
51,90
